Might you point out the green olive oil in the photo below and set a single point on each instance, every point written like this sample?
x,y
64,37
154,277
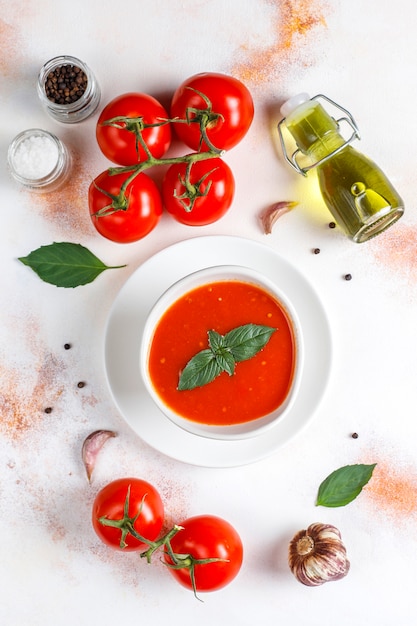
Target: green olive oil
x,y
356,191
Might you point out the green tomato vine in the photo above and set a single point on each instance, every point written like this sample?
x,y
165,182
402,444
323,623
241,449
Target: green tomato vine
x,y
203,117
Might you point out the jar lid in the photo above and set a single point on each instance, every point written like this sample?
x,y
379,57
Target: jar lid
x,y
292,103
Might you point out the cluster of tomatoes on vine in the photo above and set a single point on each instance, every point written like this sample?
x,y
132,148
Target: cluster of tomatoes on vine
x,y
203,553
209,113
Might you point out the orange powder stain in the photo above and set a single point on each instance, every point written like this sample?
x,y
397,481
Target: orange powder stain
x,y
67,208
22,404
297,18
293,21
11,49
393,492
397,250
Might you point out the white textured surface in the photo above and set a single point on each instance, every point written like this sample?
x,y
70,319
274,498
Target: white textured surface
x,y
53,570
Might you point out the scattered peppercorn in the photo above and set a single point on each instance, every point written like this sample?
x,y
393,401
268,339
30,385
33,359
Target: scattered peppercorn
x,y
66,84
348,276
332,225
316,250
48,409
81,384
355,435
67,346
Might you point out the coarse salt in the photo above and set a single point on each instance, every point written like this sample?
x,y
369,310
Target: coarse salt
x,y
35,157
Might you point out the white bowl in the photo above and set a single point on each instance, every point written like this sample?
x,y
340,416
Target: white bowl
x,y
177,290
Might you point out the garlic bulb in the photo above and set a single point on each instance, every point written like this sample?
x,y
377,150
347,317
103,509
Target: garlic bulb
x,y
317,555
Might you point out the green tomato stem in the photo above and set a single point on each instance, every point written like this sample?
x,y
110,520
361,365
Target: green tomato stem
x,y
126,525
203,117
164,541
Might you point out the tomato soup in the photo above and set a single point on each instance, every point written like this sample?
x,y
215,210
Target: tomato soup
x,y
258,386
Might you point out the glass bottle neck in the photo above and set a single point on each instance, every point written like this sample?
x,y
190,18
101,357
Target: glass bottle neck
x,y
315,132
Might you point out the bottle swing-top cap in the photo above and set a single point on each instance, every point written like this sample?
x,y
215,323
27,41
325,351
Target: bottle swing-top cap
x,y
291,105
293,102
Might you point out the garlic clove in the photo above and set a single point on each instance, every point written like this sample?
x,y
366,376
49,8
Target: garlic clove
x,y
318,555
272,213
91,448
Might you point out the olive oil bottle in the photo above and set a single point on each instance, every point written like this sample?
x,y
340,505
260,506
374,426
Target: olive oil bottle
x,y
356,191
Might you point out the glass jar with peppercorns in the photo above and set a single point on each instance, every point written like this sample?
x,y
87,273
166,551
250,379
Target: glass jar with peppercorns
x,y
68,89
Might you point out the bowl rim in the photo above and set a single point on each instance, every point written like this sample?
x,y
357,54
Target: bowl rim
x,y
180,287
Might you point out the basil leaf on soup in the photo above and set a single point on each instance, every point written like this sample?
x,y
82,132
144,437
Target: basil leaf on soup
x,y
223,353
199,371
246,341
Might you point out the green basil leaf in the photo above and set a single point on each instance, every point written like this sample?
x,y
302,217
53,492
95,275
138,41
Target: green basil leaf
x,y
223,353
200,370
65,264
226,362
246,341
216,341
344,485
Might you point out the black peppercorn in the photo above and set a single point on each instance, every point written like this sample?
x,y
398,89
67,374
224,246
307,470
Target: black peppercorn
x,y
67,346
316,250
48,409
81,384
355,435
348,276
332,225
65,84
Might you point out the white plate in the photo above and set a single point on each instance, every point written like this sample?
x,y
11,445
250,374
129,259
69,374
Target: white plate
x,y
123,336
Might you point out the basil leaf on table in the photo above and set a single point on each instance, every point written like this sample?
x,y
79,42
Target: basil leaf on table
x,y
65,264
223,353
344,485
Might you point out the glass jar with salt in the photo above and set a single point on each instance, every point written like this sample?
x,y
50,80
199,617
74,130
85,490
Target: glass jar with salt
x,y
38,160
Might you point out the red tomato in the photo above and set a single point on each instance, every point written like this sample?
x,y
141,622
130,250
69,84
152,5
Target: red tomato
x,y
119,142
145,505
228,103
207,537
141,214
213,191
